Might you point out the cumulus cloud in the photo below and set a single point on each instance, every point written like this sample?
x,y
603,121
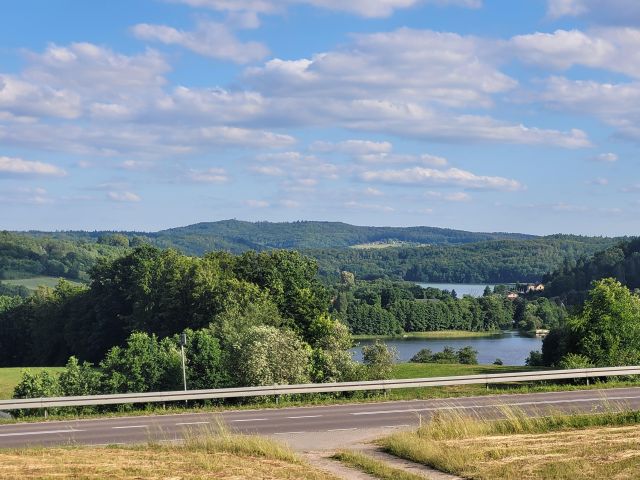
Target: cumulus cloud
x,y
124,197
451,177
617,105
405,64
601,11
612,48
209,39
13,166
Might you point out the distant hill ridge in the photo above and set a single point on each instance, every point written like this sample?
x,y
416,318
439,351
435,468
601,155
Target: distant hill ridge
x,y
427,254
238,236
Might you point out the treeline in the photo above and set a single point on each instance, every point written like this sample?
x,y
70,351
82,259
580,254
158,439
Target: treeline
x,y
254,319
391,308
25,255
504,261
162,293
572,281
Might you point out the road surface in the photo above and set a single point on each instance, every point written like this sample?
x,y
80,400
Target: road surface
x,y
328,421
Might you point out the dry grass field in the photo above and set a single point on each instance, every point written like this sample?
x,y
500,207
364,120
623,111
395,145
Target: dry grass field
x,y
571,448
202,457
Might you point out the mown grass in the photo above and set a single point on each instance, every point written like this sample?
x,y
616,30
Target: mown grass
x,y
207,455
436,334
10,377
518,446
34,282
373,466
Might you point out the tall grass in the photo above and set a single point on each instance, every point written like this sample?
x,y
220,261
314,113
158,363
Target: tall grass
x,y
466,444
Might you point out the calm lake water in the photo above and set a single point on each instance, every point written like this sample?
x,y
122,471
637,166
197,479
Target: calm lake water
x,y
511,347
473,289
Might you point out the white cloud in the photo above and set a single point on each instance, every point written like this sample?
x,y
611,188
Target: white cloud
x,y
405,64
601,11
373,192
451,176
24,99
17,167
611,48
352,147
209,175
209,39
606,158
26,196
124,197
449,197
364,8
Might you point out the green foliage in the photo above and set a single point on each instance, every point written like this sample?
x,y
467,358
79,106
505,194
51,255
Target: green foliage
x,y
572,280
79,379
267,356
467,356
425,355
498,361
144,364
535,359
574,360
204,360
331,358
28,255
383,307
378,360
608,327
495,261
13,290
37,385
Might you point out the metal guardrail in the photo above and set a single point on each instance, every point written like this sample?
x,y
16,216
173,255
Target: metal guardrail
x,y
155,397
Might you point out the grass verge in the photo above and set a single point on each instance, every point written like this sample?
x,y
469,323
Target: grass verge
x,y
520,447
221,456
33,283
436,334
373,466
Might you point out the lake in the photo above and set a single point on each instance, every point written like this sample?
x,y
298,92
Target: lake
x,y
473,289
511,347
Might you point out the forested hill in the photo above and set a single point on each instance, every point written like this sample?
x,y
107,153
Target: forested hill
x,y
412,253
23,255
238,236
573,279
501,261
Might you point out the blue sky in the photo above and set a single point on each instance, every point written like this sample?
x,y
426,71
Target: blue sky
x,y
488,115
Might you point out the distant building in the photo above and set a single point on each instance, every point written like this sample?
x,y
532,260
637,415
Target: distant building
x,y
512,295
531,288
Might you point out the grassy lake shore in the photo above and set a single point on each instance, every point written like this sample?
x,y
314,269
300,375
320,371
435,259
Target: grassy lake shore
x,y
435,334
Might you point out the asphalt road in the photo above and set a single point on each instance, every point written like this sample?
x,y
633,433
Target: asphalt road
x,y
291,421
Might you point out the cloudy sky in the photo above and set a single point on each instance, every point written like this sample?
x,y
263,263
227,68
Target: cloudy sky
x,y
489,115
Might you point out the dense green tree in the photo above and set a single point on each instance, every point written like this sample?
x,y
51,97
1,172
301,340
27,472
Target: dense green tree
x,y
608,327
80,379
